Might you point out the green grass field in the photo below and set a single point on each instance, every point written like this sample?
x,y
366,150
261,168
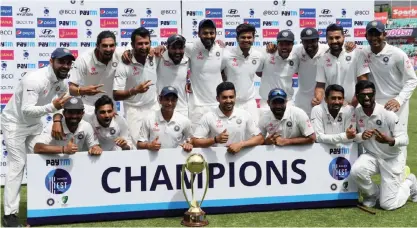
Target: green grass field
x,y
352,217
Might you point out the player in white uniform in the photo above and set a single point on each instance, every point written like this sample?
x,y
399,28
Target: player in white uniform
x,y
392,72
21,121
78,133
227,126
172,68
382,136
111,129
134,83
308,54
337,66
240,65
93,71
333,122
278,69
165,128
285,124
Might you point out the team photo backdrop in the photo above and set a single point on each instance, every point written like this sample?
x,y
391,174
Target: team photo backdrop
x,y
31,30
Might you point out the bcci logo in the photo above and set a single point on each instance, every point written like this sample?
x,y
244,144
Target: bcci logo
x,y
58,181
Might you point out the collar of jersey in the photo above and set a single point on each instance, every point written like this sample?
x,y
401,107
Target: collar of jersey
x,y
321,51
161,118
326,108
200,46
239,52
95,60
135,62
98,125
222,115
384,50
66,130
377,110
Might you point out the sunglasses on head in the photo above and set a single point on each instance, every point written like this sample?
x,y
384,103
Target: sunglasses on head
x,y
364,95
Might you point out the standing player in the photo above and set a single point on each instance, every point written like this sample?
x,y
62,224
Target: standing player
x,y
133,83
21,121
285,124
227,126
278,69
111,129
240,65
172,69
333,122
339,67
165,128
382,135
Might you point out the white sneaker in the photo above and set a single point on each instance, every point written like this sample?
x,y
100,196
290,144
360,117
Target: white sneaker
x,y
413,187
370,201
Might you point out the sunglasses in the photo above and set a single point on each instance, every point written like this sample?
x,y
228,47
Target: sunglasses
x,y
362,96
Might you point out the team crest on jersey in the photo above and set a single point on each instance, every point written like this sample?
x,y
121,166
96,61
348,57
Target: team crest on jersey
x,y
114,64
385,59
348,58
151,63
238,121
254,61
177,128
218,54
112,131
289,124
80,135
291,63
57,88
339,119
379,122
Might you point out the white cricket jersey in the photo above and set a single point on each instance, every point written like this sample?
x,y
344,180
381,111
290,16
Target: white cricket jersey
x,y
84,136
342,70
392,72
87,70
387,123
205,72
239,125
33,97
107,135
294,123
173,75
332,130
171,134
277,73
307,70
241,71
129,76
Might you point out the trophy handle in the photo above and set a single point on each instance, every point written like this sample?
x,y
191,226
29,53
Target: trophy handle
x,y
207,181
182,185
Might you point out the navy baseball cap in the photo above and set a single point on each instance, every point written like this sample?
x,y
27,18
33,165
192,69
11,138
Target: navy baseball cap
x,y
285,35
206,23
168,90
378,25
277,94
61,52
74,103
309,34
176,38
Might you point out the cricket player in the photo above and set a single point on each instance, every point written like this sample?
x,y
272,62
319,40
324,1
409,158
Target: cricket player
x,y
134,83
240,65
78,133
21,121
334,122
278,69
337,66
227,126
111,129
382,135
166,128
285,124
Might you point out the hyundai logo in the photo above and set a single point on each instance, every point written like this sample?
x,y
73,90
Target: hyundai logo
x,y
233,11
24,9
129,10
325,11
47,31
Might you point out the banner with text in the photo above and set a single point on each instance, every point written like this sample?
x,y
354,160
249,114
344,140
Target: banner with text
x,y
143,184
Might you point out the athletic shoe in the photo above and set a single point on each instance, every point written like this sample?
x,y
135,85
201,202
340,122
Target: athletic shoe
x,y
370,201
11,221
413,187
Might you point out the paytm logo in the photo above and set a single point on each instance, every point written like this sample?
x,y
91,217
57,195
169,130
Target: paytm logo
x,y
344,22
149,22
25,33
126,33
67,23
168,22
46,22
58,162
6,11
214,12
307,12
270,23
6,44
42,64
255,22
230,33
109,12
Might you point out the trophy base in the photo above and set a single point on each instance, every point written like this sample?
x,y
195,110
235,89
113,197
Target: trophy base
x,y
194,219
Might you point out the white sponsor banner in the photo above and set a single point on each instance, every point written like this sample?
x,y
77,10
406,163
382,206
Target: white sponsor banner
x,y
83,187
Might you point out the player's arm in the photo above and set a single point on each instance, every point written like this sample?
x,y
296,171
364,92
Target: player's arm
x,y
201,133
144,135
78,74
306,129
262,63
255,139
409,79
124,133
120,79
399,131
320,84
91,141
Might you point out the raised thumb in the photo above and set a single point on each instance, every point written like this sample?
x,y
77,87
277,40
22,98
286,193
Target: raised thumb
x,y
225,130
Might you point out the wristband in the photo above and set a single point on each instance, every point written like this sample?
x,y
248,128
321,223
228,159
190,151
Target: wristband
x,y
78,91
130,92
215,141
63,150
57,121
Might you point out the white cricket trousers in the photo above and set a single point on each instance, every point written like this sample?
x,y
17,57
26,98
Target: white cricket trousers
x,y
393,191
136,115
17,138
251,107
